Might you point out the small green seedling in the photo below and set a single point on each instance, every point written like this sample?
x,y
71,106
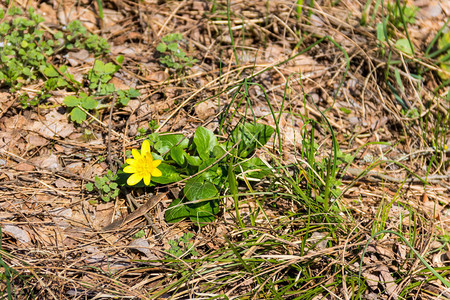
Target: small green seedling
x,y
78,37
444,59
80,104
99,85
100,75
106,186
140,234
173,56
395,13
23,48
184,246
144,132
394,17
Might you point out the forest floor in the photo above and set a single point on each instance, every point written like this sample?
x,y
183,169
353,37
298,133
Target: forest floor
x,y
305,149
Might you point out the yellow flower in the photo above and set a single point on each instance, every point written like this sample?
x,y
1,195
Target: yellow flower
x,y
142,166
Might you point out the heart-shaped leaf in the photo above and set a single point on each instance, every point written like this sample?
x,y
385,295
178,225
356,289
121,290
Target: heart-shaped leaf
x,y
205,141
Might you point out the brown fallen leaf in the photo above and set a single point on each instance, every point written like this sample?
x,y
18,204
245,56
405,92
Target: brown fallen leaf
x,y
16,232
159,76
24,167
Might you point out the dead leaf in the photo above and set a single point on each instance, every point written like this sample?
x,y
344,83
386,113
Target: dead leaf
x,y
56,124
23,166
388,281
95,255
119,83
103,215
49,162
141,245
80,57
159,76
63,184
35,140
76,167
205,109
19,234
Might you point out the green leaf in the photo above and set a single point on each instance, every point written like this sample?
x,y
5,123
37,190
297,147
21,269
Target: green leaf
x,y
204,212
99,66
120,59
58,35
176,211
88,103
205,140
255,168
26,71
404,45
345,110
133,93
107,89
218,151
89,186
123,100
161,47
193,160
77,115
198,189
173,47
177,154
380,32
169,174
110,68
71,101
251,136
444,43
50,71
167,142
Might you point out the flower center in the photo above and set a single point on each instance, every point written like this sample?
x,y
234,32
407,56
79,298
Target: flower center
x,y
145,165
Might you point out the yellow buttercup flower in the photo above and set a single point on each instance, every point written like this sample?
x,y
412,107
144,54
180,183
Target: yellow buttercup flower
x,y
142,165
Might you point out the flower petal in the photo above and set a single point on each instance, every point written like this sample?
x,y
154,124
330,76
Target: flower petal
x,y
134,179
130,161
147,178
136,154
156,172
129,169
156,163
145,148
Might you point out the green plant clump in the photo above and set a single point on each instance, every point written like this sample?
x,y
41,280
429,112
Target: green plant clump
x,y
183,246
396,12
105,186
23,48
79,38
444,59
99,85
398,17
173,56
206,166
144,132
26,50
